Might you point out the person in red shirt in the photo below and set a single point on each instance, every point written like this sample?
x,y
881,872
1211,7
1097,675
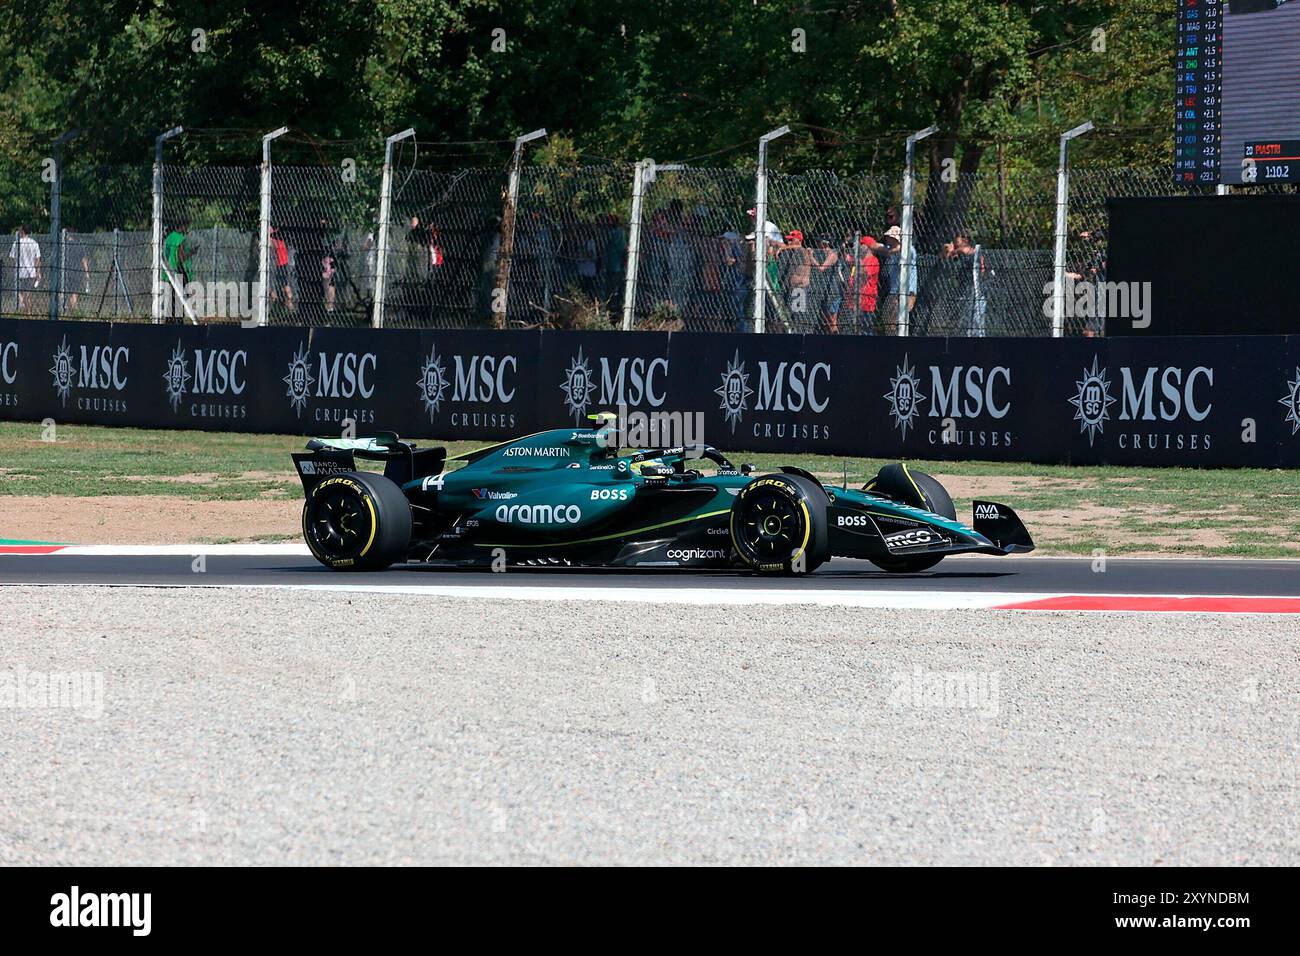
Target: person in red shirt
x,y
865,284
280,266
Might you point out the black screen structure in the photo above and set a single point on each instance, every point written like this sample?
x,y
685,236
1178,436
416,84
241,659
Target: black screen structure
x,y
1217,265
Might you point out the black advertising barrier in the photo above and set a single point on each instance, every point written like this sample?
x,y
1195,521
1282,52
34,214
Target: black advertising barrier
x,y
1184,401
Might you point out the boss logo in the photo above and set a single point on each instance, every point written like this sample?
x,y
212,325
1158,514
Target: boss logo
x,y
852,521
609,494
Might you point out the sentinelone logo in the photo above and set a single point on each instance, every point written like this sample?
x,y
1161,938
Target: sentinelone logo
x,y
75,908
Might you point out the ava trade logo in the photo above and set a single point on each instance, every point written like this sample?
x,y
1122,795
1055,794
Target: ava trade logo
x,y
1292,403
734,392
433,382
904,396
299,379
578,385
1092,401
176,377
64,370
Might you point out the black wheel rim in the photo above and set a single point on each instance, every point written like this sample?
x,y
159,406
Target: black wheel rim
x,y
770,527
339,523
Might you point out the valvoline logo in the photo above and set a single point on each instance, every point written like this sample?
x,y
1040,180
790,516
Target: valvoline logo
x,y
480,493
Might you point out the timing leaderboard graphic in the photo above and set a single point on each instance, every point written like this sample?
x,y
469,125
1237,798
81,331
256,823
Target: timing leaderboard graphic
x,y
1238,92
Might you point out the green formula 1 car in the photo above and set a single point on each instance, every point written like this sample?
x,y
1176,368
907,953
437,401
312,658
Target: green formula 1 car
x,y
569,498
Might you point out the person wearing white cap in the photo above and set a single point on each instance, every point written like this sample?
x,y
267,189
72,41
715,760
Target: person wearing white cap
x,y
774,235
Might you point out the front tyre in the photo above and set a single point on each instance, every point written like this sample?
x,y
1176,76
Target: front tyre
x,y
778,525
356,521
936,500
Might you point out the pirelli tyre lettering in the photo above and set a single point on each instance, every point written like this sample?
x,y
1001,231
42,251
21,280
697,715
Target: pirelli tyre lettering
x,y
778,525
356,521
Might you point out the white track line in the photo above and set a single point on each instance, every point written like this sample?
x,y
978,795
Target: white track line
x,y
922,600
182,550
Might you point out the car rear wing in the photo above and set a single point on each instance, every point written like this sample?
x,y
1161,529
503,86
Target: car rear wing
x,y
403,461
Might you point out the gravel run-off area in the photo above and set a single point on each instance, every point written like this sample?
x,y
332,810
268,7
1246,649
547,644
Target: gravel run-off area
x,y
229,726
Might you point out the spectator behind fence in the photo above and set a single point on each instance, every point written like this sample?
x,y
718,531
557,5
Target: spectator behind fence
x,y
732,279
795,277
864,286
75,266
681,261
281,290
890,279
776,317
1093,271
177,253
770,229
27,266
826,288
976,302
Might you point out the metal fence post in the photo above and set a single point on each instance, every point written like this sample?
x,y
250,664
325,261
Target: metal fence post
x,y
385,210
760,227
155,280
977,315
633,243
906,261
1062,228
113,271
264,228
501,290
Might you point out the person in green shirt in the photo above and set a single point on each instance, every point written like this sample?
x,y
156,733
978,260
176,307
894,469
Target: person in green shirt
x,y
177,254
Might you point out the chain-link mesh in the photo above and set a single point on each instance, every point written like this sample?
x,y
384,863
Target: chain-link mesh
x,y
324,273
209,231
566,234
443,239
695,269
984,253
460,258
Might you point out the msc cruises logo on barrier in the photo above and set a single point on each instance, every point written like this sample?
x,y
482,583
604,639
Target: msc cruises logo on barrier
x,y
219,374
63,370
94,369
904,396
1092,400
433,382
578,385
734,392
299,380
1292,403
789,402
176,377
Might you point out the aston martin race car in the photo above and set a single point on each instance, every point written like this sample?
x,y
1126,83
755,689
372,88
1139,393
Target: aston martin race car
x,y
572,498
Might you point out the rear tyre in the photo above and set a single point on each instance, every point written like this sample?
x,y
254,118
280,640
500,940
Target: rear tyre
x,y
356,521
778,525
938,501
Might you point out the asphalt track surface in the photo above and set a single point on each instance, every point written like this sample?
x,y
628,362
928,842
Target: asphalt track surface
x,y
1027,574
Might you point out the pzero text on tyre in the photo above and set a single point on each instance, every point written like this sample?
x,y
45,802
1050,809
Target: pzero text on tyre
x,y
778,525
356,521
